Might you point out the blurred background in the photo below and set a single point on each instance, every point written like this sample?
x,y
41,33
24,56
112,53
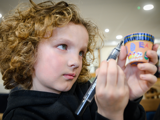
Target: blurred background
x,y
117,17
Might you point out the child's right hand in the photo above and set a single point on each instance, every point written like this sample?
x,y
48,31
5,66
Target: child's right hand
x,y
112,93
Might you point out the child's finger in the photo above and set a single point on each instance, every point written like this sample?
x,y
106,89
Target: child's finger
x,y
121,78
155,47
122,57
102,75
150,78
152,55
97,71
148,67
112,73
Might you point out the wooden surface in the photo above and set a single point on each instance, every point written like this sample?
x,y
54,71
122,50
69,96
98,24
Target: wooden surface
x,y
155,86
93,74
158,82
150,104
1,116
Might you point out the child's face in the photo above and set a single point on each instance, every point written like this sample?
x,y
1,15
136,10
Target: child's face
x,y
59,59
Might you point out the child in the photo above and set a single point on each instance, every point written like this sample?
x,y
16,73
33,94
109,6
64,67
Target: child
x,y
43,48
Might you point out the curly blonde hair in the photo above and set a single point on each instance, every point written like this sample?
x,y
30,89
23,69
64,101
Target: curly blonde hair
x,y
22,30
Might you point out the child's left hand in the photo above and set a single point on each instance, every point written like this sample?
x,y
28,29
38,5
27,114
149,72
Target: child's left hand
x,y
140,78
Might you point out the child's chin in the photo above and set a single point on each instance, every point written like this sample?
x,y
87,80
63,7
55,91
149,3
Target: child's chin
x,y
67,88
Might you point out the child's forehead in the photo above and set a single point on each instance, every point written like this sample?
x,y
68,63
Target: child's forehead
x,y
69,29
69,33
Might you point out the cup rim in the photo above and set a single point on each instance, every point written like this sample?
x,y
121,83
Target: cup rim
x,y
139,36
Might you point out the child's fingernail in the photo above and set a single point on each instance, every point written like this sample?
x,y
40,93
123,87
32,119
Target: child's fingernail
x,y
141,66
142,76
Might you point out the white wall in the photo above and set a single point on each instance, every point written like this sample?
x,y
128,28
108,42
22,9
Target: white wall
x,y
105,51
2,90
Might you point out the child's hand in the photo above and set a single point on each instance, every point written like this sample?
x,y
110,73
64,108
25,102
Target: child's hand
x,y
141,77
112,92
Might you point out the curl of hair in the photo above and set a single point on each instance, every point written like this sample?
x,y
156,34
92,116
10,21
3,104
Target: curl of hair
x,y
21,32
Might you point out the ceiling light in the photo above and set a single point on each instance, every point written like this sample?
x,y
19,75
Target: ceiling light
x,y
119,37
0,15
148,7
106,30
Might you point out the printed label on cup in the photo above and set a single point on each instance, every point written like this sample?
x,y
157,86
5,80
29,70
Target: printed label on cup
x,y
137,49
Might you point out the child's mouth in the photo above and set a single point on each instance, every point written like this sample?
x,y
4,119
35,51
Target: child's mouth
x,y
69,76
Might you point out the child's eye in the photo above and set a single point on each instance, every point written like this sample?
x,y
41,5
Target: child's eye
x,y
81,53
63,47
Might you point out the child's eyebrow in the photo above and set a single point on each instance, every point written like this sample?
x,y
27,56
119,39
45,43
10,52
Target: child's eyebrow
x,y
59,40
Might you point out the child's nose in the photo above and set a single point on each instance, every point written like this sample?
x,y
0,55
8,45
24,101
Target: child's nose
x,y
73,61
